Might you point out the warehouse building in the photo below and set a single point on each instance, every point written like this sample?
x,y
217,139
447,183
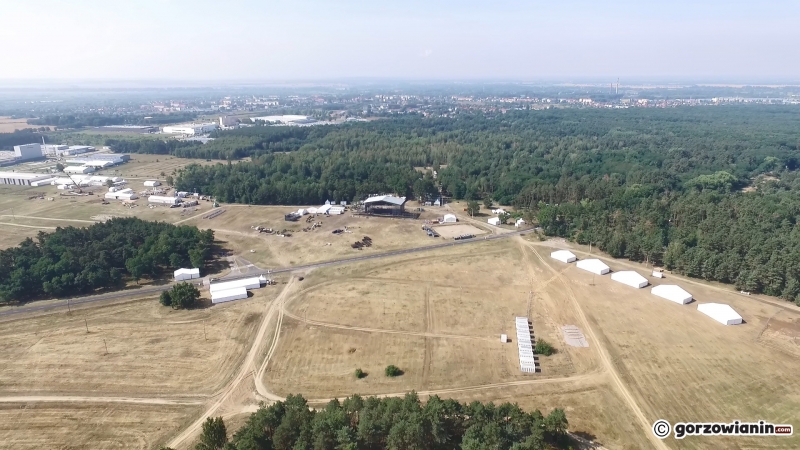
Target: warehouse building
x,y
79,169
190,129
22,179
28,152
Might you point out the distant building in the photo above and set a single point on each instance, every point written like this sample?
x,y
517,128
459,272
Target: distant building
x,y
190,129
21,179
227,121
28,151
78,169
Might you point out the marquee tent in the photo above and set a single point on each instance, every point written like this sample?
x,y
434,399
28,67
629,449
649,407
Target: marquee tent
x,y
672,293
564,256
594,265
630,278
720,312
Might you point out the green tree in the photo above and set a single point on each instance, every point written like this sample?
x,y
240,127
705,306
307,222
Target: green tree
x,y
392,371
165,298
109,183
487,202
544,348
183,296
473,208
170,180
214,436
360,374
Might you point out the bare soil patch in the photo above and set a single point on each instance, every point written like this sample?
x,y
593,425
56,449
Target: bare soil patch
x,y
451,231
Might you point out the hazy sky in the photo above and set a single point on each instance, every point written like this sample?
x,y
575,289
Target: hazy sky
x,y
314,40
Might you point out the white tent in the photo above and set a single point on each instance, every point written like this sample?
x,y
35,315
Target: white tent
x,y
564,256
152,183
630,278
594,265
227,295
323,209
519,223
672,293
449,218
301,212
247,283
311,210
720,312
494,221
187,274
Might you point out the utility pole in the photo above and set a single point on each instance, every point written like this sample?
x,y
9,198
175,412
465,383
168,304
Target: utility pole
x,y
104,343
87,325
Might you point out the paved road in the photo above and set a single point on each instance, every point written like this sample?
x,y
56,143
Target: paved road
x,y
65,304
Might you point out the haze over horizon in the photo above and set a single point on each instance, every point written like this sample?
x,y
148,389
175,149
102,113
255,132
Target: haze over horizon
x,y
241,41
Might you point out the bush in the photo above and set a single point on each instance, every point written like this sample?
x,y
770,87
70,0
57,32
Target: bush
x,y
393,371
544,348
360,374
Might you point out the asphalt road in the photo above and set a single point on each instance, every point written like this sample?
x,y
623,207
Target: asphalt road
x,y
69,303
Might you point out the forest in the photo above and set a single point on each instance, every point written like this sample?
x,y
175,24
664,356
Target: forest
x,y
371,423
73,260
81,120
711,192
19,137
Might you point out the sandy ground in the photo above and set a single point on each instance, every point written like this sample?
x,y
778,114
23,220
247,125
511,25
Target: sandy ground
x,y
451,231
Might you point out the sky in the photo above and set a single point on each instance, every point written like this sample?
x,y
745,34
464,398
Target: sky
x,y
276,40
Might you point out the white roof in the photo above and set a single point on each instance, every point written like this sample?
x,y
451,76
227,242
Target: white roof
x,y
593,265
238,292
720,312
244,282
23,176
323,209
386,198
494,220
630,278
672,292
194,271
563,255
449,216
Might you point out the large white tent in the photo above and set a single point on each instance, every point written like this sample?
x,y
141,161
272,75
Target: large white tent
x,y
449,218
564,256
630,278
720,312
672,293
187,274
594,265
227,295
247,283
494,221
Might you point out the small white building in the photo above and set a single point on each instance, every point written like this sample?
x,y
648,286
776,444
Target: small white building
x,y
228,295
449,218
187,274
595,266
163,200
720,312
336,210
519,223
124,194
152,183
672,293
494,221
630,278
564,256
503,338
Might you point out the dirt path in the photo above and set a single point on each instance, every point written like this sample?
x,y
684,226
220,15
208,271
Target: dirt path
x,y
48,218
82,399
604,357
27,226
245,370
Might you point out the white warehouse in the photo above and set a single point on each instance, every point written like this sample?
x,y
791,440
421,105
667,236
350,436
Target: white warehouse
x,y
22,179
630,278
163,200
720,312
672,293
595,266
564,256
187,274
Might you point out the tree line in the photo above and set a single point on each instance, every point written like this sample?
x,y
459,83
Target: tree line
x,y
81,120
371,423
710,192
73,260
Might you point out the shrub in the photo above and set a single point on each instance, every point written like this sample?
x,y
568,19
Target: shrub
x,y
544,348
360,374
393,371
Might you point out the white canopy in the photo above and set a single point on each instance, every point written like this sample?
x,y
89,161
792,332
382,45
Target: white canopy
x,y
186,274
494,221
720,312
594,265
450,218
672,293
630,278
564,256
227,295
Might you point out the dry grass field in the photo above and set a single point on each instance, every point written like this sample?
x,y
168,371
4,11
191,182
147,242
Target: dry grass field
x,y
32,426
151,349
9,125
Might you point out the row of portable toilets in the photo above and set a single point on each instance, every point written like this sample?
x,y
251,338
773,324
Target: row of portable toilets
x,y
720,312
527,360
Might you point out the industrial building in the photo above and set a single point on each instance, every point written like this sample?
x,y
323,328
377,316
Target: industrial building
x,y
28,151
630,278
190,129
385,205
163,200
79,169
672,293
564,256
720,312
22,179
595,266
186,274
131,128
54,149
99,160
286,119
